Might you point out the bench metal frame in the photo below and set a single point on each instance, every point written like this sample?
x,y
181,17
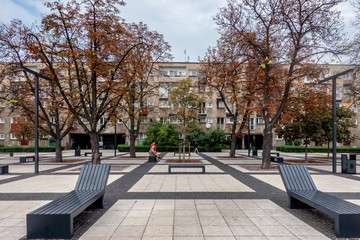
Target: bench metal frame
x,y
55,219
202,166
303,193
23,159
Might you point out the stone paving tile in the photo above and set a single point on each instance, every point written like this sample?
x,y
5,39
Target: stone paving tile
x,y
46,184
189,183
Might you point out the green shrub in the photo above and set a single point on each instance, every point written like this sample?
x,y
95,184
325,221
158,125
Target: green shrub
x,y
317,149
297,142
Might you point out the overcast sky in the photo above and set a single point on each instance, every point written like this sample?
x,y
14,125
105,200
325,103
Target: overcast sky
x,y
186,24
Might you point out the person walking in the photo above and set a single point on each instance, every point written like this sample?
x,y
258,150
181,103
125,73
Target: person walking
x,y
196,144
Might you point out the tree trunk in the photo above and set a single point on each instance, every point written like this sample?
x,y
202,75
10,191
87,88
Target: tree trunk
x,y
266,156
132,142
58,150
95,155
184,146
233,141
306,150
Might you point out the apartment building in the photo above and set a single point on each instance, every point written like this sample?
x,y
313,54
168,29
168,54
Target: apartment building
x,y
211,116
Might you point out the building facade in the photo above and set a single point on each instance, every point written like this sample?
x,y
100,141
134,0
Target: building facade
x,y
211,116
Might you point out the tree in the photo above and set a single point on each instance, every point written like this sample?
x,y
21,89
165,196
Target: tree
x,y
23,129
278,39
197,135
185,107
304,115
55,120
162,134
222,71
139,66
83,47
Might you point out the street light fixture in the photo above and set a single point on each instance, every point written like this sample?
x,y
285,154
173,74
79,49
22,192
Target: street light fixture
x,y
36,93
333,78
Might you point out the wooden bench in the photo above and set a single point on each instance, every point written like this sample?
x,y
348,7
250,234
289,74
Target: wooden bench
x,y
55,219
86,153
23,159
4,169
202,166
303,193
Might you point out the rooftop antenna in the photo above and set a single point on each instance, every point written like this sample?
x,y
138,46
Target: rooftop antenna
x,y
188,58
185,54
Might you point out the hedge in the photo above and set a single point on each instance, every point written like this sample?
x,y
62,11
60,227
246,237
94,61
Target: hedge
x,y
28,149
126,148
317,149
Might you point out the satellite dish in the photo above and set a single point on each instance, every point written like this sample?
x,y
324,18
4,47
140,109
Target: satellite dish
x,y
208,125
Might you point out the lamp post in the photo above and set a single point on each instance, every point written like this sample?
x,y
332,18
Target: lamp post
x,y
249,136
333,78
36,101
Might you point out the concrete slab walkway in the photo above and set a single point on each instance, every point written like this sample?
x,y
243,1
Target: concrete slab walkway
x,y
234,199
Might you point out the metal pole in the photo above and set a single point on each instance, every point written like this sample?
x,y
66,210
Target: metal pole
x,y
334,123
36,124
115,140
249,137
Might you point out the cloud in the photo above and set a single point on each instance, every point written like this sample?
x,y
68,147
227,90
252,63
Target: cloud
x,y
185,24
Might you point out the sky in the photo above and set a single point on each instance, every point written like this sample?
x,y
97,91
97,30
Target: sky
x,y
187,25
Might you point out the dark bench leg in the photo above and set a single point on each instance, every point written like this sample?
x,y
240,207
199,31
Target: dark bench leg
x,y
294,203
347,226
49,226
98,204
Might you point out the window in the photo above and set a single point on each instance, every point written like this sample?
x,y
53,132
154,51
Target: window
x,y
210,89
53,120
260,120
192,73
163,104
102,121
210,105
151,104
142,136
210,120
220,123
220,104
229,120
202,108
2,136
163,91
355,121
2,120
12,136
203,118
252,124
120,120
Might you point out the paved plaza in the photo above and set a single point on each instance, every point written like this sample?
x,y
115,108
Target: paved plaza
x,y
234,199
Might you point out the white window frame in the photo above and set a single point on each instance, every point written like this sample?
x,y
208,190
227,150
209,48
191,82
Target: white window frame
x,y
2,120
210,120
210,105
2,136
12,136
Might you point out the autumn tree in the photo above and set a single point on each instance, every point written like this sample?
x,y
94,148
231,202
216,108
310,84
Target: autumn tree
x,y
185,106
23,129
138,71
84,45
279,38
19,87
221,70
303,117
